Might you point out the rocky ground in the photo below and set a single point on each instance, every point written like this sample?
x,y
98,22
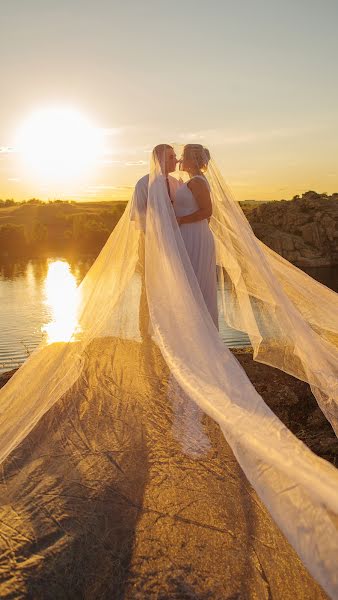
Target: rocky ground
x,y
289,398
293,402
303,230
103,503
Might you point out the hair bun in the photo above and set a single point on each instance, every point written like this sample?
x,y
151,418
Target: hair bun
x,y
207,153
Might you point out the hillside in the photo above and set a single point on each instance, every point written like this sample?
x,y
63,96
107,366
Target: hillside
x,y
303,230
36,228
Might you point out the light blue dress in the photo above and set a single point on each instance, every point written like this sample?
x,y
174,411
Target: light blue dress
x,y
200,246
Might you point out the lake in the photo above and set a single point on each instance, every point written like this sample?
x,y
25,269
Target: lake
x,y
32,304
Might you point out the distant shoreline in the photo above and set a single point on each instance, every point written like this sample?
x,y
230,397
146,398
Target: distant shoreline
x,y
303,230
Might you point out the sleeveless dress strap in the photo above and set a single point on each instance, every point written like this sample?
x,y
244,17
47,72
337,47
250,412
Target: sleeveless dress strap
x,y
203,178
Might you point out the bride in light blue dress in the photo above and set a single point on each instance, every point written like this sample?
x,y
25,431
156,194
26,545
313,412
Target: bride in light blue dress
x,y
193,209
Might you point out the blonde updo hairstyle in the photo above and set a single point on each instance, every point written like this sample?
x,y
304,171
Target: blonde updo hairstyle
x,y
197,154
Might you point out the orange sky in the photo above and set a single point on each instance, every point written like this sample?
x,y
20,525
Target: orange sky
x,y
255,82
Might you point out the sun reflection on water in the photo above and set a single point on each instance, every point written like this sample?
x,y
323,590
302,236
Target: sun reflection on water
x,y
62,298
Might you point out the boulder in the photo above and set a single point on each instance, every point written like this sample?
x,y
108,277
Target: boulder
x,y
303,230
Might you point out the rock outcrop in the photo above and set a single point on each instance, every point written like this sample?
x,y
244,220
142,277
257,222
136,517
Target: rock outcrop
x,y
302,230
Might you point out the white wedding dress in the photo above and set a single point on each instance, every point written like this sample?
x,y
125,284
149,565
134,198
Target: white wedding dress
x,y
199,243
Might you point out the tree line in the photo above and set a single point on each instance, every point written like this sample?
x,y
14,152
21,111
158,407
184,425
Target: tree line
x,y
38,228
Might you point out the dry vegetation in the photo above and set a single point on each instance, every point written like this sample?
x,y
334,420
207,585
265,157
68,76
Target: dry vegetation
x,y
37,228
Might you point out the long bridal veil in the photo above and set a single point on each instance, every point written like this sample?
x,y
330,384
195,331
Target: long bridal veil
x,y
80,399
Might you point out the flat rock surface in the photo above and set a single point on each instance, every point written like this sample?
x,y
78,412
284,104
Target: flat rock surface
x,y
109,496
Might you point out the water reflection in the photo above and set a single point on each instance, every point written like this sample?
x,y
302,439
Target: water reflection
x,y
62,298
40,301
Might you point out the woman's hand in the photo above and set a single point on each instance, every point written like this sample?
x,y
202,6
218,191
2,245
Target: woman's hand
x,y
179,220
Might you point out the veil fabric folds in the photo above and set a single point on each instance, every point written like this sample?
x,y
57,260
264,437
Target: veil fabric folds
x,y
291,319
141,300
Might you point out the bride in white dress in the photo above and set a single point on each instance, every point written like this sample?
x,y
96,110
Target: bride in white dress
x,y
193,209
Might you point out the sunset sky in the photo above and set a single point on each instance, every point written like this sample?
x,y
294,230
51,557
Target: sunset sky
x,y
92,86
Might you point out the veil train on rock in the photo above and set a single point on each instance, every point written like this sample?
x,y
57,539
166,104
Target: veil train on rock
x,y
84,420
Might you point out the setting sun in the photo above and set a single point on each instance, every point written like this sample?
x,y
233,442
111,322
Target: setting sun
x,y
58,145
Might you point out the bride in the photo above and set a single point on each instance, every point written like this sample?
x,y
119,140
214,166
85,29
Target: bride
x,y
193,208
77,408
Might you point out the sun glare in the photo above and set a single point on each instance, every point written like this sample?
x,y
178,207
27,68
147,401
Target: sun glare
x,y
59,145
62,298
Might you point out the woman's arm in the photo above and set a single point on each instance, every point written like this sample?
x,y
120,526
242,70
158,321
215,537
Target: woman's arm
x,y
200,191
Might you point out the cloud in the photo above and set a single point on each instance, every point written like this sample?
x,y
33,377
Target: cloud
x,y
101,186
198,135
228,137
107,161
7,150
14,179
104,186
109,130
127,163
